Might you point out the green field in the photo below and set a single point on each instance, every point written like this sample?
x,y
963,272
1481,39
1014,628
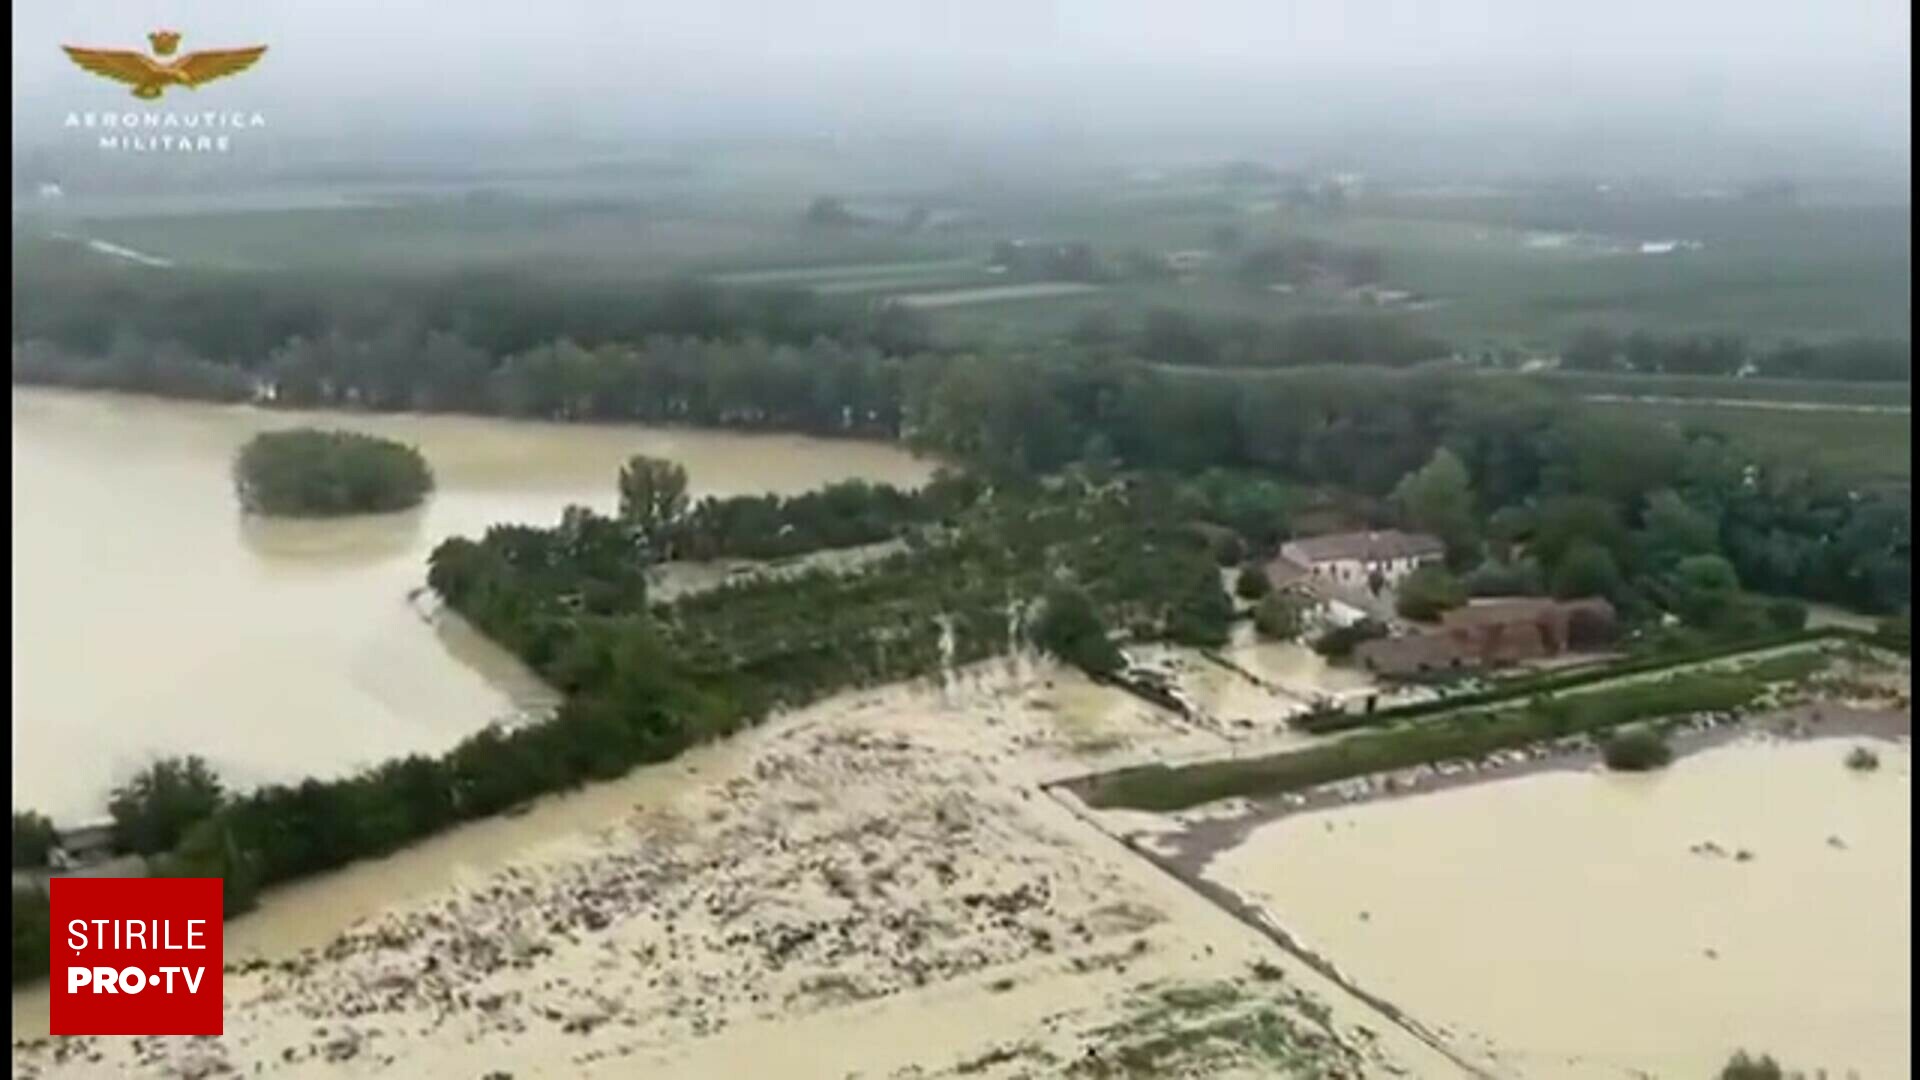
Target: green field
x,y
1869,447
1487,268
1631,384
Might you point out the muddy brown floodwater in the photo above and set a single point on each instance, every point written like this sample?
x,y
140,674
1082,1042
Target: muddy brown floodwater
x,y
1589,924
872,886
151,617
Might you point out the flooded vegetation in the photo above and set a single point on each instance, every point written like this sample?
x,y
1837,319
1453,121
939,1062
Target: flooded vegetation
x,y
871,884
279,648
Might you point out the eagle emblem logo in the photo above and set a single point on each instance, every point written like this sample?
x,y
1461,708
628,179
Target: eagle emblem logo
x,y
151,75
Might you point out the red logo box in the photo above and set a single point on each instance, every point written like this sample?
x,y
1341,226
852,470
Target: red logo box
x,y
136,956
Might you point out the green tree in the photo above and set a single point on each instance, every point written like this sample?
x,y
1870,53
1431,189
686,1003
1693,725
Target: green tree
x,y
1705,593
154,809
1707,573
1521,578
33,837
1438,499
653,498
1200,614
1563,522
32,935
1280,617
1586,569
1427,592
1069,628
1252,584
1617,458
308,472
1340,641
1673,530
208,848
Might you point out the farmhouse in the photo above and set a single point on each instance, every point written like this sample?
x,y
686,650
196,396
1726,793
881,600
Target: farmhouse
x,y
1494,633
1351,558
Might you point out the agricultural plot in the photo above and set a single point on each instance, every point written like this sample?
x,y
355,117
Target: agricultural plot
x,y
996,294
1868,447
454,233
1715,388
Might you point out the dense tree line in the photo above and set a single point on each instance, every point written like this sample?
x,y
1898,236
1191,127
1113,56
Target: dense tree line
x,y
1593,500
844,514
70,297
1530,455
1534,459
306,472
1853,359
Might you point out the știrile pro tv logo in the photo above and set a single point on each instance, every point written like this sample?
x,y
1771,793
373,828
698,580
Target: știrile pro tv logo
x,y
135,956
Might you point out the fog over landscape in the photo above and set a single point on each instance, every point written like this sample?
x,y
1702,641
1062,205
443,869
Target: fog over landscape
x,y
1484,87
937,539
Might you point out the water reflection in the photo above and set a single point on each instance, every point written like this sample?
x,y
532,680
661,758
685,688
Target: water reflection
x,y
344,543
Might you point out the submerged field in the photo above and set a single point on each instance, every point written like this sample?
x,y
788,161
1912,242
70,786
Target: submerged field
x,y
1610,923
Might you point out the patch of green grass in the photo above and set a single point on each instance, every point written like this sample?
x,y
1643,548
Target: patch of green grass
x,y
1166,789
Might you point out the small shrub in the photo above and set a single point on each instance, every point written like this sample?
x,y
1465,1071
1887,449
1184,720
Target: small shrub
x,y
1742,1067
1862,759
1071,630
1252,584
1427,592
1638,750
1340,641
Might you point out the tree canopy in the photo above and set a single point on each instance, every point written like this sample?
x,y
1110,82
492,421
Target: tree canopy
x,y
306,472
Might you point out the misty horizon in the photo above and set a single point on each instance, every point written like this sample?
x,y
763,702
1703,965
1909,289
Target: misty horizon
x,y
1467,88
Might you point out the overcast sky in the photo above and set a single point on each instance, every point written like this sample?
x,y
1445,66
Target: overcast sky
x,y
1826,72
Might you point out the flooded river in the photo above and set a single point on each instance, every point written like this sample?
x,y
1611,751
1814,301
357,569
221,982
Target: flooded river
x,y
150,617
1588,924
